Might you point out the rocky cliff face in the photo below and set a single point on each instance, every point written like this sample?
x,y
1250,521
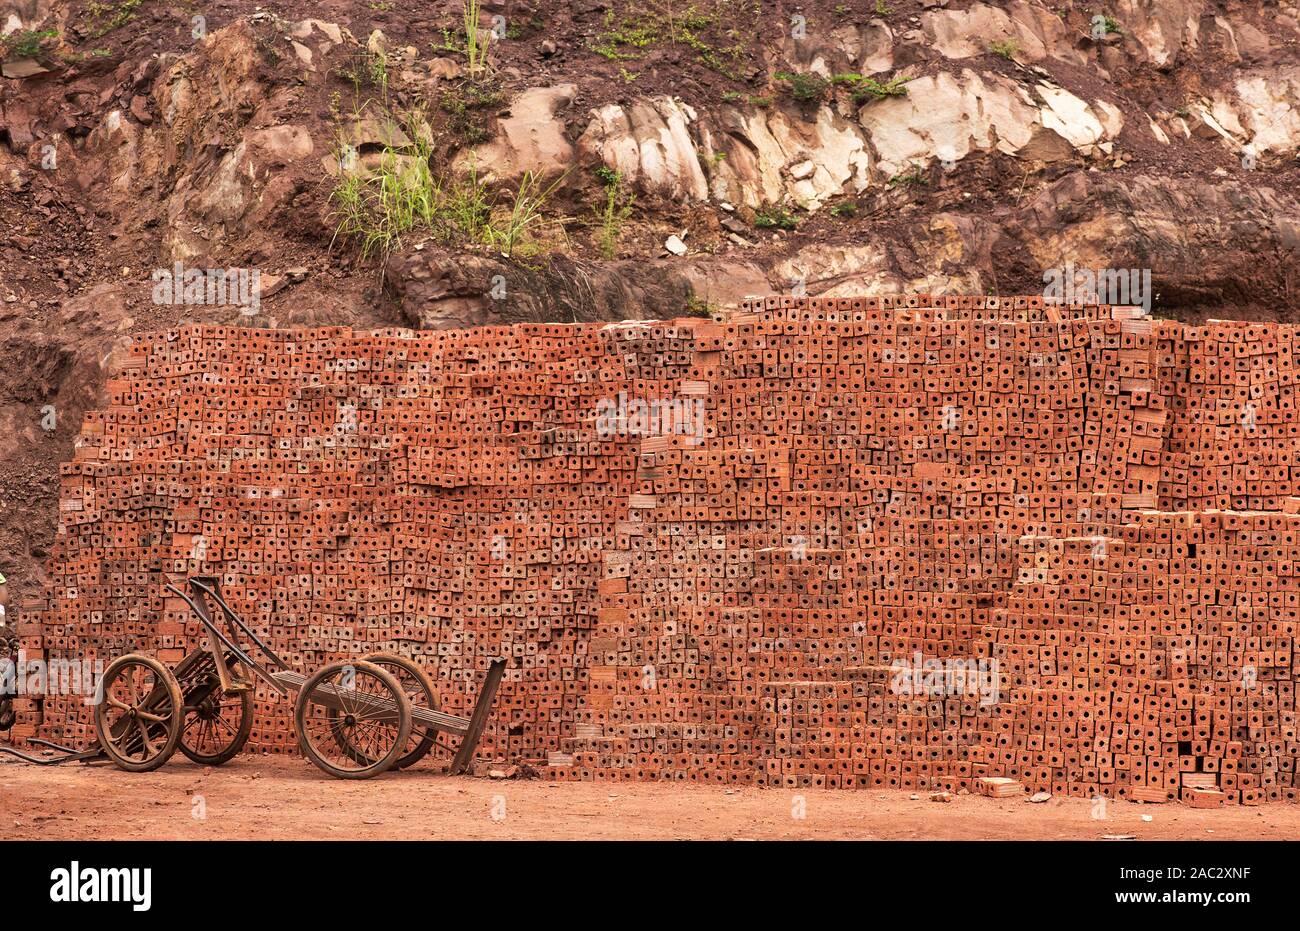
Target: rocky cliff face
x,y
610,159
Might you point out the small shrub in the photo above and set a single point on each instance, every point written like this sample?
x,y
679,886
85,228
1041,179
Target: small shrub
x,y
106,17
25,44
697,306
1110,25
1005,48
913,178
774,217
379,209
464,102
613,212
805,88
866,89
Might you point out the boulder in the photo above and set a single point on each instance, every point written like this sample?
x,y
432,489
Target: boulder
x,y
530,138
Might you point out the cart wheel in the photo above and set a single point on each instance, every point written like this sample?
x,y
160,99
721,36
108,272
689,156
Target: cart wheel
x,y
138,713
419,691
353,719
216,725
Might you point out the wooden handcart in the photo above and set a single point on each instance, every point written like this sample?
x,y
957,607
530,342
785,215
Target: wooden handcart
x,y
355,719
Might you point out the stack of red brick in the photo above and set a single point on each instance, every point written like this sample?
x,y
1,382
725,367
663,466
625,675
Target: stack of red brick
x,y
891,542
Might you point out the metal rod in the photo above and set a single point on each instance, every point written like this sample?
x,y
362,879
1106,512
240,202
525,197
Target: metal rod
x,y
215,592
82,756
228,643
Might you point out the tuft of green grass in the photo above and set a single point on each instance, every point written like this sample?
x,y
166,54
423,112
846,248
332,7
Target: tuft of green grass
x,y
805,88
476,50
866,89
810,88
25,44
1005,48
106,17
1109,24
774,216
612,212
845,211
379,209
717,31
464,104
466,40
914,178
513,227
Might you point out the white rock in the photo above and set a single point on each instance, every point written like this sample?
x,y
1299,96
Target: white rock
x,y
949,114
650,144
531,138
1069,116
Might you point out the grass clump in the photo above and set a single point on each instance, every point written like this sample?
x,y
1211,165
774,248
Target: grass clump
x,y
866,89
25,44
1107,25
106,17
465,103
717,31
1005,48
774,216
805,88
466,40
403,195
811,88
613,211
914,178
366,70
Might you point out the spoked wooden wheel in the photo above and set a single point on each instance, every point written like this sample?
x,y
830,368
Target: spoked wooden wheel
x,y
216,725
419,691
138,713
353,720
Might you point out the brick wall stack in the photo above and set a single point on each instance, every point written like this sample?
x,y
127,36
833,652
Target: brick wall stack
x,y
874,482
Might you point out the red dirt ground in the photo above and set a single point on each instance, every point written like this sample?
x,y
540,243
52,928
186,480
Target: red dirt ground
x,y
261,797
